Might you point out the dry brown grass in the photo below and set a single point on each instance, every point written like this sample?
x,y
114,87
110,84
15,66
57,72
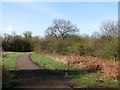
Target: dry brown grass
x,y
92,64
6,53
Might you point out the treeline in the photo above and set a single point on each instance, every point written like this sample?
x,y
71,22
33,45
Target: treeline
x,y
106,47
17,43
62,38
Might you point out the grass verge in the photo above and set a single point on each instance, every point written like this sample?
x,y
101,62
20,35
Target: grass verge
x,y
9,80
49,63
9,60
97,79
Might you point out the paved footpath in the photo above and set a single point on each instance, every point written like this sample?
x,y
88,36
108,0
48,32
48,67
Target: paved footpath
x,y
33,76
24,63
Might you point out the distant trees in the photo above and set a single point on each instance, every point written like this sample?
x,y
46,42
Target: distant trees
x,y
110,28
102,44
28,39
27,34
61,38
20,45
106,42
61,28
7,42
36,43
17,43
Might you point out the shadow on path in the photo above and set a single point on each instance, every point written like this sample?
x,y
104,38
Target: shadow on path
x,y
32,77
44,78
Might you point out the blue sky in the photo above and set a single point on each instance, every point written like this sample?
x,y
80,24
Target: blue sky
x,y
37,16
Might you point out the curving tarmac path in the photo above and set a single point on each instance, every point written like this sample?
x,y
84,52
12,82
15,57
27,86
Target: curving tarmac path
x,y
33,76
25,63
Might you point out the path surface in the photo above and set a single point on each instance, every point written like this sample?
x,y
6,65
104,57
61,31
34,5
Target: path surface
x,y
24,63
33,76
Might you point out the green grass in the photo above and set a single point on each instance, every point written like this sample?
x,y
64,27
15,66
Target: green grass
x,y
9,63
9,60
48,62
93,80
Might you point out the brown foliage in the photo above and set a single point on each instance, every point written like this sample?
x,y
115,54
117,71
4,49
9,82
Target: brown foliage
x,y
89,63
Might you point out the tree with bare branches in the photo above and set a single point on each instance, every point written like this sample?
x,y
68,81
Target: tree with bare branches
x,y
109,28
61,28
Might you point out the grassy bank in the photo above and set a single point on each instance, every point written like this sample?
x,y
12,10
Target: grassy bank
x,y
95,80
48,62
9,60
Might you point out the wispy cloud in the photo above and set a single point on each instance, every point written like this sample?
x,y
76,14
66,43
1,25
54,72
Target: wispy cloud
x,y
60,0
37,16
34,9
42,8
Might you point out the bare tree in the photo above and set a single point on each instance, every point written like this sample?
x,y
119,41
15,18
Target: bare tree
x,y
27,34
109,33
109,28
61,28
